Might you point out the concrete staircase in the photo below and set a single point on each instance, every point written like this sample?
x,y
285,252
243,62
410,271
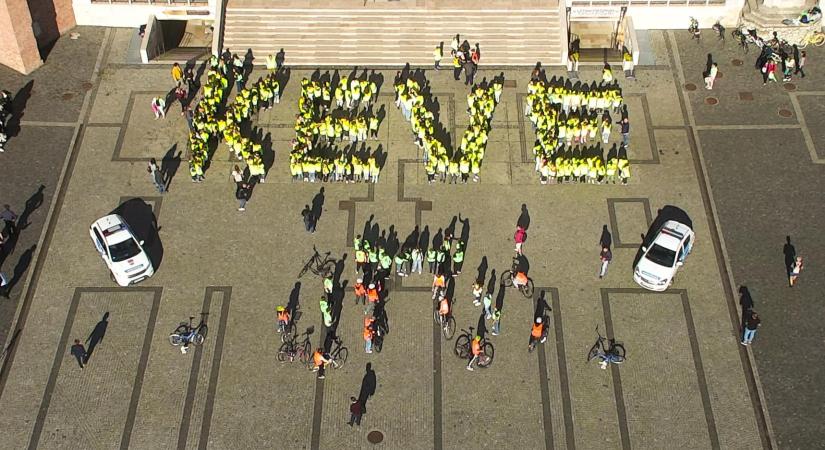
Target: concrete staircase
x,y
392,37
767,20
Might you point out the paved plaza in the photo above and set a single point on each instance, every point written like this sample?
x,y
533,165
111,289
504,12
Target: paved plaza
x,y
746,172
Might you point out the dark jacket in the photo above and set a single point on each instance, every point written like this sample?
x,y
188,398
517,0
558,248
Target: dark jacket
x,y
752,322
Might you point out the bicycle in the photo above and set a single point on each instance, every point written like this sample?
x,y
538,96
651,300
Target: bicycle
x,y
507,280
288,331
338,355
290,350
610,353
720,31
463,350
186,334
446,323
816,38
322,266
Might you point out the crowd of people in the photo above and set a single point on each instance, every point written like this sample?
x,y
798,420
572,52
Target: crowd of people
x,y
564,114
319,125
440,160
212,124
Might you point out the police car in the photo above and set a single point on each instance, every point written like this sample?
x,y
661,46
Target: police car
x,y
657,266
120,250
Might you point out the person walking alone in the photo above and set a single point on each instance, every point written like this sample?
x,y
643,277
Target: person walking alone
x,y
79,353
800,63
155,175
794,270
159,107
606,256
520,237
177,74
711,76
242,194
438,53
356,411
752,322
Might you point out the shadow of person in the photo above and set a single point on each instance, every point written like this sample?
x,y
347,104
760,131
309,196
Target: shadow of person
x,y
541,305
790,254
34,202
481,326
18,107
746,302
294,299
482,270
19,270
169,166
96,337
606,240
524,218
369,384
317,206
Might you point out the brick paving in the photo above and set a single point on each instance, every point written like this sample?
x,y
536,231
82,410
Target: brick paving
x,y
684,379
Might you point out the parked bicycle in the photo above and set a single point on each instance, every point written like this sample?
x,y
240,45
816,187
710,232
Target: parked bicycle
x,y
291,350
607,350
514,277
463,351
186,334
322,266
816,38
444,321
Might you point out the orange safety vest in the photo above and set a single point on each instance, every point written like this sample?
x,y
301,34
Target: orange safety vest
x,y
367,333
439,281
368,320
476,347
521,278
283,316
372,295
445,307
318,358
536,331
360,290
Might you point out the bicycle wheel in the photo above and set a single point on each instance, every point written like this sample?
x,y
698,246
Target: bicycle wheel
x,y
462,346
527,290
437,317
340,358
485,360
449,328
282,356
325,268
818,39
198,339
175,339
594,351
531,347
284,352
305,352
289,333
618,350
507,278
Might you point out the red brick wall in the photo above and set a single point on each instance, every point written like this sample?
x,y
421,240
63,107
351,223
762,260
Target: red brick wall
x,y
18,47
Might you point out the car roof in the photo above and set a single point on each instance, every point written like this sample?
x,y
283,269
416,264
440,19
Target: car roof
x,y
672,234
113,228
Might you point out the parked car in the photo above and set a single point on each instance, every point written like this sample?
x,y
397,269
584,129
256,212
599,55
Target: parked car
x,y
665,254
121,251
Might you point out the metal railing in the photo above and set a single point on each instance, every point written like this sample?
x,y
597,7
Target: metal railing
x,y
647,2
155,2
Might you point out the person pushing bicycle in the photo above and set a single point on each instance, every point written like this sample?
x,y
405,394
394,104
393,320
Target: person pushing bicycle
x,y
283,318
537,332
320,359
439,283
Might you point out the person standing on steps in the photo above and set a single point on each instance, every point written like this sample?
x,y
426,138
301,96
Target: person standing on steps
x,y
438,53
752,322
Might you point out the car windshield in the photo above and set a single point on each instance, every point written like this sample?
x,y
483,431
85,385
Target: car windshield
x,y
124,250
661,255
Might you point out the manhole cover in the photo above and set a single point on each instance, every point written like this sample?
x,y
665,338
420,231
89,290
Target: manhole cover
x,y
375,437
789,86
737,62
746,96
67,95
785,113
711,100
690,87
86,86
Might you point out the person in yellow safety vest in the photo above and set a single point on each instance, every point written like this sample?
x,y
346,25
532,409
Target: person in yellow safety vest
x,y
624,170
374,127
374,169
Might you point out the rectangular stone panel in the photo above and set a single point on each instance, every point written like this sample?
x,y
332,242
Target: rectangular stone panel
x,y
642,146
144,137
95,407
629,220
662,393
